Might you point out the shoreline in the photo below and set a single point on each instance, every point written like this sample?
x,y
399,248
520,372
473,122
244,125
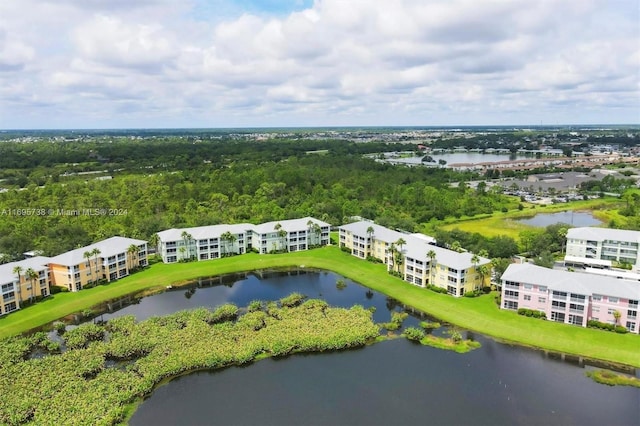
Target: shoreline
x,y
475,314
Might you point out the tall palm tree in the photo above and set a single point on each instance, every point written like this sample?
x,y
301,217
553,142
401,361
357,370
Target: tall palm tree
x,y
87,255
131,251
391,255
96,252
282,235
432,258
474,261
18,270
399,259
186,237
318,231
224,238
455,246
32,275
370,232
232,240
154,240
309,231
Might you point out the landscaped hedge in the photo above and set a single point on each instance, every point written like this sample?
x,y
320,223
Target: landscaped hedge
x,y
436,288
605,326
532,313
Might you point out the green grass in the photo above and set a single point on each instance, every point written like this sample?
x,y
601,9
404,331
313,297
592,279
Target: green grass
x,y
461,347
610,378
500,223
478,314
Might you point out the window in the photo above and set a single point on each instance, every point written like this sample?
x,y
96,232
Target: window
x,y
610,311
633,304
631,326
575,319
613,299
528,286
9,307
595,309
632,314
527,297
596,297
576,308
508,304
542,288
542,300
557,304
557,316
510,294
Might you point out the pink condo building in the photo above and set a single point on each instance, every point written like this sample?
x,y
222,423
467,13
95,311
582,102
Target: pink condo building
x,y
571,297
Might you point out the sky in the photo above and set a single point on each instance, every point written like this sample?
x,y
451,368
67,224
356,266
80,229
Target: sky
x,y
299,63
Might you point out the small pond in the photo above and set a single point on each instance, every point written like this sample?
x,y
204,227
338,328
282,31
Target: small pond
x,y
569,217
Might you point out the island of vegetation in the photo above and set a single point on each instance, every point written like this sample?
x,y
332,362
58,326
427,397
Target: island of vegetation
x,y
104,370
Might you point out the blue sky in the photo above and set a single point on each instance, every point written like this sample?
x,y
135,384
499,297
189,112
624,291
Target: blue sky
x,y
223,63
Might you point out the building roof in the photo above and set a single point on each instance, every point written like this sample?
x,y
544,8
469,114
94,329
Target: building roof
x,y
213,231
380,232
601,234
203,232
289,225
109,247
572,282
37,263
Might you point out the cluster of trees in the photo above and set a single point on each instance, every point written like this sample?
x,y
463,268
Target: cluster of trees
x,y
331,186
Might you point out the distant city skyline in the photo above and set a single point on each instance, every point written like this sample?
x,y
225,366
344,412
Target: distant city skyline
x,y
98,64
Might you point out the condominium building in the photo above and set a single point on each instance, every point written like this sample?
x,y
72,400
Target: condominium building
x,y
23,280
571,297
602,247
106,260
214,241
416,257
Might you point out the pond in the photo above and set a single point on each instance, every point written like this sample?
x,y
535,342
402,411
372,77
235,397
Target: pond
x,y
393,382
458,158
569,217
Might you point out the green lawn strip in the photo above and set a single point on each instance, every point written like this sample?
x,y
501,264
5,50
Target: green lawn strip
x,y
610,378
478,314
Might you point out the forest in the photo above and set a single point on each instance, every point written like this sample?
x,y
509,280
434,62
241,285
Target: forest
x,y
160,184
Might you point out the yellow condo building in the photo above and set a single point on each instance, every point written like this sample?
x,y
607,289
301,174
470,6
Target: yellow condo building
x,y
416,258
27,279
106,260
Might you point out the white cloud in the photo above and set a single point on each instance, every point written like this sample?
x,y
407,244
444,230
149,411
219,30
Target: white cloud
x,y
165,63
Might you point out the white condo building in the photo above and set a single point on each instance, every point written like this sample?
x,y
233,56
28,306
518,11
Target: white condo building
x,y
601,247
23,280
215,241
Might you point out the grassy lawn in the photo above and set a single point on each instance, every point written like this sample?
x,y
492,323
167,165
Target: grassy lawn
x,y
479,314
500,223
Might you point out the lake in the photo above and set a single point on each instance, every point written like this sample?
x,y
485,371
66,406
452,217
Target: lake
x,y
461,157
568,217
393,382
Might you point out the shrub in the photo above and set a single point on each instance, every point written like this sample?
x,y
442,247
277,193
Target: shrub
x,y
346,249
294,299
226,312
436,288
620,329
59,327
254,306
341,285
428,325
414,334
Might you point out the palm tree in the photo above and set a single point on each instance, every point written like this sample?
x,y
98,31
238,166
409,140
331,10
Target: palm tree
x,y
17,270
318,231
474,261
282,234
616,317
432,258
309,231
154,240
483,253
399,259
370,232
186,237
232,240
96,252
32,275
131,251
455,246
224,238
87,255
391,255
562,234
483,270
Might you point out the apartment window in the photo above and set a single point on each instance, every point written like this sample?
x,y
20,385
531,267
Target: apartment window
x,y
542,288
7,287
596,298
610,311
613,299
9,296
204,256
528,286
542,300
509,304
575,319
172,259
561,295
557,316
9,307
511,294
632,314
527,297
595,309
576,308
557,304
633,303
631,326
452,290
